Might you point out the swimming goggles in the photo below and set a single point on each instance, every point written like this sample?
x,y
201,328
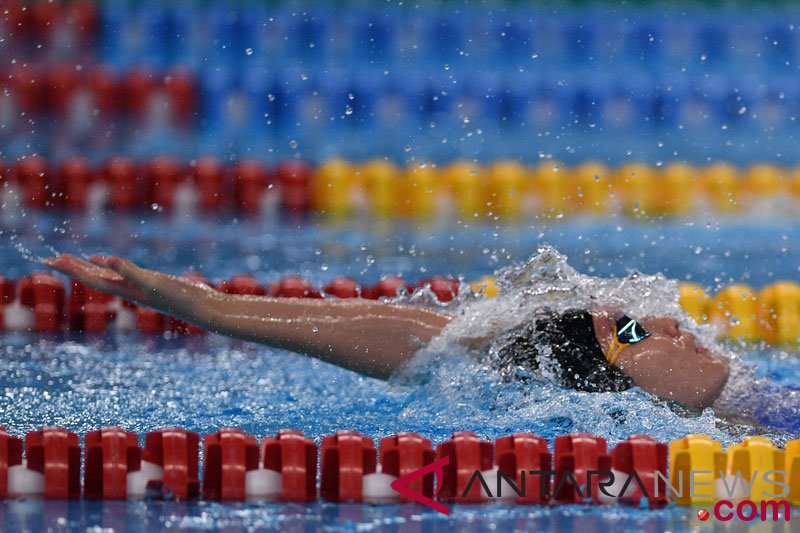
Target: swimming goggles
x,y
627,332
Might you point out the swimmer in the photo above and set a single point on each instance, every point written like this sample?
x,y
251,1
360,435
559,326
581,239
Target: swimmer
x,y
593,350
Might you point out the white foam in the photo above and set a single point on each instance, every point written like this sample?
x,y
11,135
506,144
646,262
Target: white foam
x,y
377,488
24,482
263,484
138,479
17,317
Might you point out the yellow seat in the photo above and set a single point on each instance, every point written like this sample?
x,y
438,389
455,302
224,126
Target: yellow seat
x,y
752,459
779,312
699,454
332,188
792,459
487,285
381,181
763,180
679,190
465,184
507,181
554,188
721,185
735,307
420,191
695,302
594,188
636,184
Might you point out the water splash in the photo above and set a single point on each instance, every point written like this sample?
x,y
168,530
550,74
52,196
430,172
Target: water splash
x,y
547,281
455,383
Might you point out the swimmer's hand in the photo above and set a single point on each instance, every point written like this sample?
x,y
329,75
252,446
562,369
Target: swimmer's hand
x,y
122,278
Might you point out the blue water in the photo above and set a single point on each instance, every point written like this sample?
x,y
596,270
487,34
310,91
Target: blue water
x,y
205,383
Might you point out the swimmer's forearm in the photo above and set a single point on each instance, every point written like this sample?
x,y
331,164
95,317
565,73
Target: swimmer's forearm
x,y
369,337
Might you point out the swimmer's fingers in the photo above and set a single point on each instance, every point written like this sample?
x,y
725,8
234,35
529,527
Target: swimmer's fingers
x,y
94,276
173,294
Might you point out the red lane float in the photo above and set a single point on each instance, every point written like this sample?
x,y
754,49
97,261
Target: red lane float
x,y
294,287
32,175
467,454
387,287
207,174
10,456
250,184
150,322
63,26
575,456
285,467
8,291
228,456
182,94
517,456
55,453
642,455
347,456
163,175
445,289
136,87
120,173
104,89
75,178
61,83
404,453
25,84
293,457
45,295
294,179
343,287
111,455
88,310
175,451
243,284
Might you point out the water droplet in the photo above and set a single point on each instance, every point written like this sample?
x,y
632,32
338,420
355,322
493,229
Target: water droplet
x,y
293,144
249,51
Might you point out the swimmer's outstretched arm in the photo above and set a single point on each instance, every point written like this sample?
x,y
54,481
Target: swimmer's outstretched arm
x,y
370,337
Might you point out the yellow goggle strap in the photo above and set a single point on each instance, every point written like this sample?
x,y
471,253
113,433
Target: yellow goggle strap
x,y
614,349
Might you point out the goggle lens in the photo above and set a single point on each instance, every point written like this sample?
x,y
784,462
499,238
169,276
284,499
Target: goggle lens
x,y
630,331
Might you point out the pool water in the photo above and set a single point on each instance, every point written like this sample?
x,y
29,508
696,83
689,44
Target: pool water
x,y
204,383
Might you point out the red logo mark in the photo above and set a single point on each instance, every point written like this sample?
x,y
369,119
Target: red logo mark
x,y
703,515
401,485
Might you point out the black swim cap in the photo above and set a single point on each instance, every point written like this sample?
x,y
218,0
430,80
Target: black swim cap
x,y
570,337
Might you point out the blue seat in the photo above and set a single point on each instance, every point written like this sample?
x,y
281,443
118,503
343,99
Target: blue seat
x,y
713,43
780,44
644,42
580,43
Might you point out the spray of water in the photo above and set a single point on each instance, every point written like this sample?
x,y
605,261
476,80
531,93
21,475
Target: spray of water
x,y
454,382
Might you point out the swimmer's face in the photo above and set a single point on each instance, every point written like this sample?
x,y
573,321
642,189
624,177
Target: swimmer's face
x,y
669,363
